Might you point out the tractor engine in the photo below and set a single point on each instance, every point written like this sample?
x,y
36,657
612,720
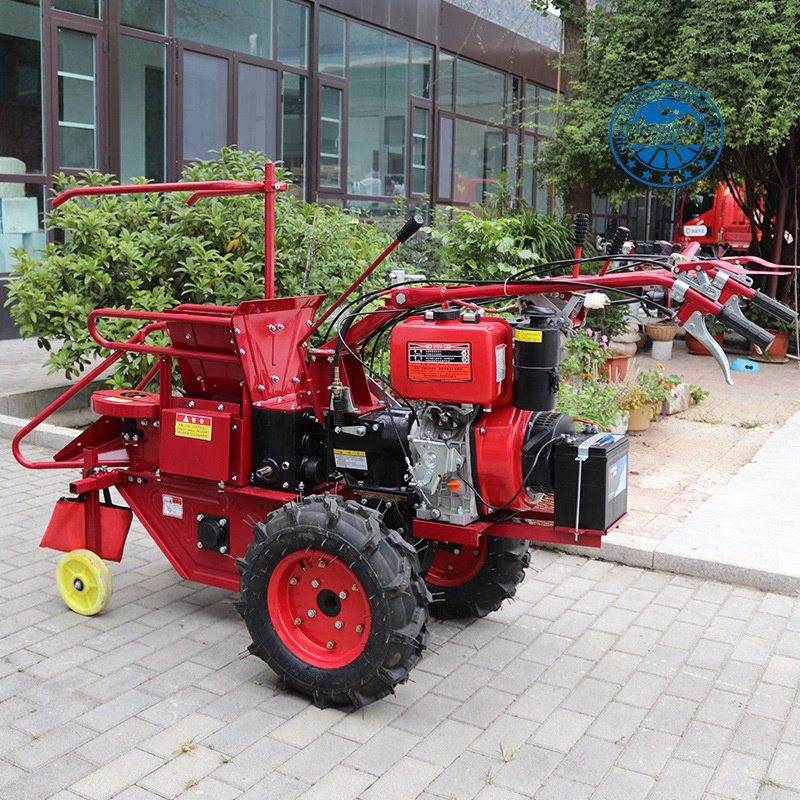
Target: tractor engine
x,y
478,435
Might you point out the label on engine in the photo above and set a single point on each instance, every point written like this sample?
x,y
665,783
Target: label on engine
x,y
440,361
172,506
191,426
350,459
527,335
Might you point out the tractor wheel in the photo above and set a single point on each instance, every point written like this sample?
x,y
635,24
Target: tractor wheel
x,y
473,581
84,582
333,601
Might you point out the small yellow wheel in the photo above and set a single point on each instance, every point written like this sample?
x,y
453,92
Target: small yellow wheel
x,y
84,582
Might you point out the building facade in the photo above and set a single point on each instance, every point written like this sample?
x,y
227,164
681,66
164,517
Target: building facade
x,y
363,100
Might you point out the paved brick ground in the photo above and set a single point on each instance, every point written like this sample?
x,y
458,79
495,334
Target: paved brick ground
x,y
600,681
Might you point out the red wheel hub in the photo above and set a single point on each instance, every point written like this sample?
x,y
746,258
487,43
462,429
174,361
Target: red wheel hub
x,y
455,565
319,608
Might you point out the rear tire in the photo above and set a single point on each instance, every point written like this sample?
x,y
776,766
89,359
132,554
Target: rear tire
x,y
333,601
476,580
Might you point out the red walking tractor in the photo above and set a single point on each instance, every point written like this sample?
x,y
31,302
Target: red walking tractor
x,y
343,505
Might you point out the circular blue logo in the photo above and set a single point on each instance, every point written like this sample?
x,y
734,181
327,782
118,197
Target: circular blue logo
x,y
666,133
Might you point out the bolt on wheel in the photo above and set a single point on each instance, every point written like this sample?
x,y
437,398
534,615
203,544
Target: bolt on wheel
x,y
84,582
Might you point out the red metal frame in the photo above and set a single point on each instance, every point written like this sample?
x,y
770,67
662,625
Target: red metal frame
x,y
257,355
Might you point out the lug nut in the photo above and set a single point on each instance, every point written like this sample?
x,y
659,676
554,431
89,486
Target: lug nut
x,y
293,581
475,552
311,612
298,621
449,567
457,551
342,595
314,584
330,645
359,628
338,624
354,587
322,564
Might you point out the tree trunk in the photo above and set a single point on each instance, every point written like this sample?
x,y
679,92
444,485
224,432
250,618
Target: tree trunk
x,y
573,16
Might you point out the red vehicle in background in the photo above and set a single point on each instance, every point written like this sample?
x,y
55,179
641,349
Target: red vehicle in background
x,y
713,221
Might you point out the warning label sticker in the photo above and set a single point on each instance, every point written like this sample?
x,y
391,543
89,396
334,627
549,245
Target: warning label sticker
x,y
192,426
440,361
527,335
350,459
172,506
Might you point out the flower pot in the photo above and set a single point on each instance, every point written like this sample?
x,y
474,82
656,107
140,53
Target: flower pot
x,y
778,350
662,331
697,348
677,400
620,424
615,368
639,418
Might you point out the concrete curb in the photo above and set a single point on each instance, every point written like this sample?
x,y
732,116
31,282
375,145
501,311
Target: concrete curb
x,y
50,436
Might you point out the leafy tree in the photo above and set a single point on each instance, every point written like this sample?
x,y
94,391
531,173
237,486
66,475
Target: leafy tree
x,y
743,54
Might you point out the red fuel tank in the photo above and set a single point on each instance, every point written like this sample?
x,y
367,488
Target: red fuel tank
x,y
442,356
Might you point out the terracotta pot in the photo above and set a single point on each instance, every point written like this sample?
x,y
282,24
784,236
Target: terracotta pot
x,y
639,418
615,368
697,348
779,349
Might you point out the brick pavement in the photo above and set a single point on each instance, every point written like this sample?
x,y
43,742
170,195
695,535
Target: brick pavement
x,y
600,681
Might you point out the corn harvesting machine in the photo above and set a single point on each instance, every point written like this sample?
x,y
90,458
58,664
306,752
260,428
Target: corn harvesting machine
x,y
343,505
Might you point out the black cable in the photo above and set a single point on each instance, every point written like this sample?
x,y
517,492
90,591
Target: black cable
x,y
528,474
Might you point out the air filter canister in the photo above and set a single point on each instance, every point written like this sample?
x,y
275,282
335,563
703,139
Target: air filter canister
x,y
537,353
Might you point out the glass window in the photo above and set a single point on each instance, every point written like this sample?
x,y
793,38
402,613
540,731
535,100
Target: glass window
x,y
258,98
378,107
20,88
445,157
421,65
528,169
293,136
531,104
20,220
330,145
205,104
146,15
478,161
480,92
547,112
241,25
419,151
512,159
89,8
514,115
446,62
77,113
142,109
292,33
331,44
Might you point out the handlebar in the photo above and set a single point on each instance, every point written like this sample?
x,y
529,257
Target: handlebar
x,y
731,316
773,307
411,226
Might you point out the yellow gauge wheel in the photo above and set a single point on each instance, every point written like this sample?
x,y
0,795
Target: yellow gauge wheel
x,y
84,582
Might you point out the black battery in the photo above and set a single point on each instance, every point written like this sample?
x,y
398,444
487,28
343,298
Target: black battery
x,y
602,470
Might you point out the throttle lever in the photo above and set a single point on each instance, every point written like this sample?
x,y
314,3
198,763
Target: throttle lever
x,y
696,325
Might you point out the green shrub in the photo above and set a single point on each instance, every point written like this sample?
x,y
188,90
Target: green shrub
x,y
152,252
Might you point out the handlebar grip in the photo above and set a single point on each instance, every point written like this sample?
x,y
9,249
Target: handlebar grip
x,y
731,316
412,225
773,307
620,237
581,228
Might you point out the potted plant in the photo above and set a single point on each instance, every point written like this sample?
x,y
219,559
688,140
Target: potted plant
x,y
640,398
695,347
780,347
584,355
612,325
591,400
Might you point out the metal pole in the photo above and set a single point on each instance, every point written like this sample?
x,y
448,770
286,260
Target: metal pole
x,y
269,231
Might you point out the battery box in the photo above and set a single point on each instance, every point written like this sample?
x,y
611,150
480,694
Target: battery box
x,y
603,481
